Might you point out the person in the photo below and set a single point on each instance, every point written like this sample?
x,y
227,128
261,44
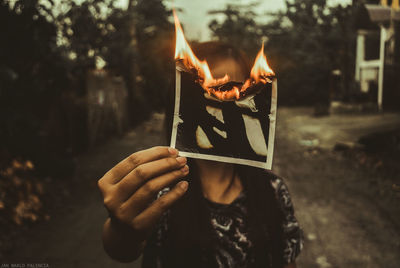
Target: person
x,y
180,212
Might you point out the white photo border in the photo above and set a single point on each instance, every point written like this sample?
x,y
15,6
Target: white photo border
x,y
254,163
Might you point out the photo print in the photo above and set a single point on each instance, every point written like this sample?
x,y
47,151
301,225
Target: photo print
x,y
219,119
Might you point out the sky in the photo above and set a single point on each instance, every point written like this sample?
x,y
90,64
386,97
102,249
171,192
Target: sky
x,y
195,19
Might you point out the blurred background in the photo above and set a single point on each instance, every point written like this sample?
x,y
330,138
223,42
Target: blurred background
x,y
83,84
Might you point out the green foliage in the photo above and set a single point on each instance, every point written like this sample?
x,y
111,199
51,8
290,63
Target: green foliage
x,y
31,73
155,35
135,43
94,31
317,41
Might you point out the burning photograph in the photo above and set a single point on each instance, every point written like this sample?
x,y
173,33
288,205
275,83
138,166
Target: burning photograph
x,y
223,119
130,138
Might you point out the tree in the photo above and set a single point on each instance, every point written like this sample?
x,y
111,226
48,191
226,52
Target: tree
x,y
317,39
136,43
32,72
304,44
155,36
33,75
238,27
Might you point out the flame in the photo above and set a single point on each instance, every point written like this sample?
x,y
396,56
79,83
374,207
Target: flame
x,y
185,53
261,68
260,71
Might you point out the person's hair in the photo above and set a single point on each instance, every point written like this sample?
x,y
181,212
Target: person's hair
x,y
190,235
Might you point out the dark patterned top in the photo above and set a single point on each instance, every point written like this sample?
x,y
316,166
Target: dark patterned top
x,y
234,247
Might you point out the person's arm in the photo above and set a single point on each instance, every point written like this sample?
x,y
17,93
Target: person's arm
x,y
121,245
129,190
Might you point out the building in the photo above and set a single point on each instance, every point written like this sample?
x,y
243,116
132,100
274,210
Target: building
x,y
377,68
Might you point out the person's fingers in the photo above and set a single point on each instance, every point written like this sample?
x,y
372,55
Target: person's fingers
x,y
145,221
146,194
119,171
145,172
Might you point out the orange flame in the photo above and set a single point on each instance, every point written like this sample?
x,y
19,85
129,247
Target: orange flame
x,y
185,53
260,71
261,68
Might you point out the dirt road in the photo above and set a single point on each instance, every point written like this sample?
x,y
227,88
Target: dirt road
x,y
346,218
348,213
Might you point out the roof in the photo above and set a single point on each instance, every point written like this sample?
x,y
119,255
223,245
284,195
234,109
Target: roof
x,y
378,13
370,16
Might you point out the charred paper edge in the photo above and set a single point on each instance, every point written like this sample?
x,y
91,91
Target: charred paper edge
x,y
226,159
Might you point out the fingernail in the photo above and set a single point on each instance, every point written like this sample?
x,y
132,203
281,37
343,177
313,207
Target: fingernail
x,y
181,159
185,169
173,151
184,185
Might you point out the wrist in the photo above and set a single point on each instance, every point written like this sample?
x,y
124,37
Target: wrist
x,y
120,242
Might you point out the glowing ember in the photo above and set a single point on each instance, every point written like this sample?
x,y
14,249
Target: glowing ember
x,y
221,88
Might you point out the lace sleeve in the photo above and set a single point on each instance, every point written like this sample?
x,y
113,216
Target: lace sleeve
x,y
292,233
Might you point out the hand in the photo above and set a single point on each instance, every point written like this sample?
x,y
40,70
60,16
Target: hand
x,y
130,187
